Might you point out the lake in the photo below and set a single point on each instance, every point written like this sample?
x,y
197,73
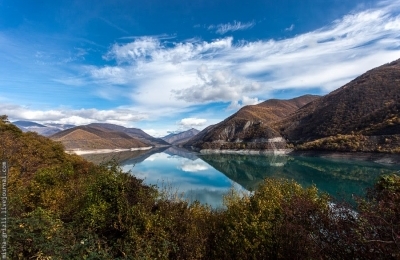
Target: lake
x,y
208,177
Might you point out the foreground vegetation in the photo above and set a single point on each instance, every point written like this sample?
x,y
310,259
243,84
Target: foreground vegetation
x,y
63,207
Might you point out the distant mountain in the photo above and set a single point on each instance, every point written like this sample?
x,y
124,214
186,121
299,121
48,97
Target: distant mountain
x,y
363,115
133,132
42,129
90,137
248,127
180,138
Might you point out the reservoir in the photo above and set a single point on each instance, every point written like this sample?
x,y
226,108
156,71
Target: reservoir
x,y
207,177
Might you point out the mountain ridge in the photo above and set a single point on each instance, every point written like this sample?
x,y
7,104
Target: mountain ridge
x,y
363,115
133,132
91,138
248,125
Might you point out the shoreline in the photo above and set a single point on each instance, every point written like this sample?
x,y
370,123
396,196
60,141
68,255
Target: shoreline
x,y
100,151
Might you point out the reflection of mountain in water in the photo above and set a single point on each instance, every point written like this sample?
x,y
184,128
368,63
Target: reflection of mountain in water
x,y
181,152
338,178
126,157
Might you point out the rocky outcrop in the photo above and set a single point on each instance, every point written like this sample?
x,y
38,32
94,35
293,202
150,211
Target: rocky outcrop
x,y
250,127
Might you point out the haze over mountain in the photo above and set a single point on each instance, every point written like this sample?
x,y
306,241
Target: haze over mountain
x,y
363,115
95,137
180,138
42,129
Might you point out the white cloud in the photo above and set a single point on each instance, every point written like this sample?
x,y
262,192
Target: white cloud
x,y
216,86
196,166
119,116
245,101
290,28
140,48
192,122
175,76
231,27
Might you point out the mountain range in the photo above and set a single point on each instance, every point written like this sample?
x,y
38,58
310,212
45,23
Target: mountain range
x,y
363,115
103,135
180,138
110,136
94,137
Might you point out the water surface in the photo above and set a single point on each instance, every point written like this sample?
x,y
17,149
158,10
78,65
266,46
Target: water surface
x,y
207,178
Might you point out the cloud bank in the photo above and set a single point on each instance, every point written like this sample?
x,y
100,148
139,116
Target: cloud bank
x,y
181,74
192,122
68,116
161,78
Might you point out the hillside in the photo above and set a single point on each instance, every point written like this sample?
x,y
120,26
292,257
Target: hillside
x,y
363,115
132,132
89,137
250,126
180,138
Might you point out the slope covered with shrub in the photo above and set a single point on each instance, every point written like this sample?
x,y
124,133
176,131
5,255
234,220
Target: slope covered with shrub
x,y
63,207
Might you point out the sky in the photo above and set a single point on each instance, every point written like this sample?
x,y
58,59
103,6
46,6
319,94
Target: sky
x,y
168,66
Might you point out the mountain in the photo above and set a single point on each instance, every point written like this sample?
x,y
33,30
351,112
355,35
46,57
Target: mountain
x,y
362,105
133,132
363,115
250,126
89,137
180,138
42,129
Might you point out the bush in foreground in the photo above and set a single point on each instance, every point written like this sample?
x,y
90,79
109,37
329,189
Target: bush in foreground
x,y
62,207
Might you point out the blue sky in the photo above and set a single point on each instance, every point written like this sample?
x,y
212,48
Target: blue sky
x,y
171,65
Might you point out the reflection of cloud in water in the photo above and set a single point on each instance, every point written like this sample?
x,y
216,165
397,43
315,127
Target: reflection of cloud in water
x,y
193,166
207,185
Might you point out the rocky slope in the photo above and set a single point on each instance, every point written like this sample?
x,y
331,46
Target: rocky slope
x,y
363,115
250,127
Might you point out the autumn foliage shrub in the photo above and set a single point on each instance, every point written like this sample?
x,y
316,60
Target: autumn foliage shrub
x,y
63,207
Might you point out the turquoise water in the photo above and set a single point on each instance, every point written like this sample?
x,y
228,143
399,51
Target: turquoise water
x,y
207,178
